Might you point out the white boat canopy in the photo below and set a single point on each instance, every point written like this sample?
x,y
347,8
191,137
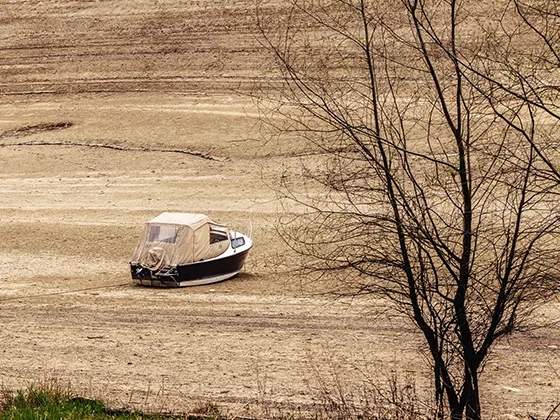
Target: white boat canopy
x,y
172,239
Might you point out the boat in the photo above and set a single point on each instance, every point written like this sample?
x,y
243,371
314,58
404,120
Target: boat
x,y
189,249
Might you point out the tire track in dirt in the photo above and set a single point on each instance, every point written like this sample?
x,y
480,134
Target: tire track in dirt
x,y
43,127
114,147
237,318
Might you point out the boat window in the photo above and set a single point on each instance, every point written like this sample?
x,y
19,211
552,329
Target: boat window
x,y
237,242
218,234
163,233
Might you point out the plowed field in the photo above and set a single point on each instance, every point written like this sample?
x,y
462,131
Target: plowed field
x,y
114,111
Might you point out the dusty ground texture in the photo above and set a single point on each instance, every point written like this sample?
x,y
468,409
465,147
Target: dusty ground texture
x,y
111,112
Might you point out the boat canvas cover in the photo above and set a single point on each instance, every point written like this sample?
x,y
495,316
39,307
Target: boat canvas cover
x,y
173,239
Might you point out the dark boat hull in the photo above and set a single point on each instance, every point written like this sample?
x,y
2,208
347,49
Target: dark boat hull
x,y
193,274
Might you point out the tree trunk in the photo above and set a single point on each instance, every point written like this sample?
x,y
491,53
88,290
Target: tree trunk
x,y
468,407
472,402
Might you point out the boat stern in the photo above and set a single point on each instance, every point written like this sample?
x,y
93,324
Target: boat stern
x,y
161,277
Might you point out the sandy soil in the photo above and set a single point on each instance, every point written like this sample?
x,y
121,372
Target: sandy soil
x,y
112,112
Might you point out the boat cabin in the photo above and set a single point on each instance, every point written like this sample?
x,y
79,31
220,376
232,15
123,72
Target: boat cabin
x,y
173,239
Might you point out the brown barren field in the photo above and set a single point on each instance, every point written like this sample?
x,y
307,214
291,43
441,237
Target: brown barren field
x,y
114,111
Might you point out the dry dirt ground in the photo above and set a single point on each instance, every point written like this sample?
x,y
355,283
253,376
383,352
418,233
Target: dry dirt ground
x,y
113,111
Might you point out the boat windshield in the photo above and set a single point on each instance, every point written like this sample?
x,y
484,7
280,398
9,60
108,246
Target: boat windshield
x,y
163,233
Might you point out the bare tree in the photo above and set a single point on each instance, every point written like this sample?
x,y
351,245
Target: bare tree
x,y
521,65
434,184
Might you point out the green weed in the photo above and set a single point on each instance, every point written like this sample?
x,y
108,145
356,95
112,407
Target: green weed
x,y
50,403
